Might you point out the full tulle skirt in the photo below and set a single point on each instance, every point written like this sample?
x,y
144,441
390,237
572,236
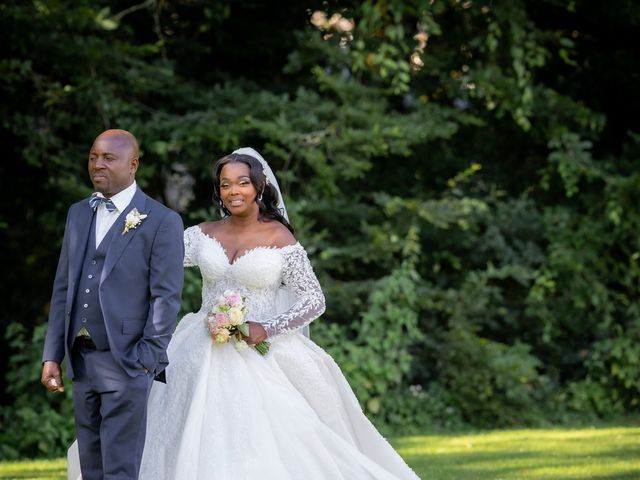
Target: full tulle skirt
x,y
226,414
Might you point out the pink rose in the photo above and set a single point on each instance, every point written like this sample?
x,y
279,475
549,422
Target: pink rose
x,y
222,320
234,300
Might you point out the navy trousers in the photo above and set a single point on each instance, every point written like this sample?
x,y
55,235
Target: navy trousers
x,y
110,409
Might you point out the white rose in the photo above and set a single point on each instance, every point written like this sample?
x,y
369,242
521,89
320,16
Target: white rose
x,y
236,316
222,336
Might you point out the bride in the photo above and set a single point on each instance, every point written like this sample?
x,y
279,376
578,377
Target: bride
x,y
228,413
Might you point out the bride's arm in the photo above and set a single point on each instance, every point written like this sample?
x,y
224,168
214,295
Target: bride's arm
x,y
297,275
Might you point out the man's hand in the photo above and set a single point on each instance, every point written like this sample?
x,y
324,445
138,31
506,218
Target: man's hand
x,y
52,377
257,333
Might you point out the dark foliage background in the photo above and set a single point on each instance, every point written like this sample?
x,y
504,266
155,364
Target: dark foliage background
x,y
464,175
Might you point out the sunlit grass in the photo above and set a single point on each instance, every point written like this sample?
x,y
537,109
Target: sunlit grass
x,y
549,454
40,469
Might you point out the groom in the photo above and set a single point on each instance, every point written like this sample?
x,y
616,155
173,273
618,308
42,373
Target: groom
x,y
115,301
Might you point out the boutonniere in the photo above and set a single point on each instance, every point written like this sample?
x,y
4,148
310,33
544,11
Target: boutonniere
x,y
132,220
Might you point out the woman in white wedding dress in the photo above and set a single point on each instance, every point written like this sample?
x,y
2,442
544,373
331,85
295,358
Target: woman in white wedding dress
x,y
232,414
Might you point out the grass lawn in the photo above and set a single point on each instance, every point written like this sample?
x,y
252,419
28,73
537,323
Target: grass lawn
x,y
41,469
545,454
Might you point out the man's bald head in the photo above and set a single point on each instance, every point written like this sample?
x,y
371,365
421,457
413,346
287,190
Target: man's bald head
x,y
113,161
127,138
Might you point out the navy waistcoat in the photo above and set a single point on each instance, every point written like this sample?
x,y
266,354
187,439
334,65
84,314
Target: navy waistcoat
x,y
86,310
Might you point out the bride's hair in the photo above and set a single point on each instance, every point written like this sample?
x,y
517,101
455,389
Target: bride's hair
x,y
267,197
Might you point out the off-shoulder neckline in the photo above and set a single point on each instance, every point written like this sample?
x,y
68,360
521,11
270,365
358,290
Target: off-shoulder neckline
x,y
249,250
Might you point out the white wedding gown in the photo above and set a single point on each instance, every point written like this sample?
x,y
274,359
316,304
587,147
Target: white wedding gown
x,y
233,415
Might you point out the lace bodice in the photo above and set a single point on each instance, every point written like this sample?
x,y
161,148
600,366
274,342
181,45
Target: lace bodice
x,y
257,274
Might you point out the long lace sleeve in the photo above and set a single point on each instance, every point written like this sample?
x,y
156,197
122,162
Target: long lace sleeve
x,y
191,238
298,276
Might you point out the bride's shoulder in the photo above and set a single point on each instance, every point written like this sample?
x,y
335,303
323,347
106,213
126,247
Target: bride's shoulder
x,y
280,236
207,228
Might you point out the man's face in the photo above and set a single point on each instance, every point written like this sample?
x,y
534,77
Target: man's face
x,y
112,164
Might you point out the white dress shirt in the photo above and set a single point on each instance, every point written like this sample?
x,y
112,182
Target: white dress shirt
x,y
105,219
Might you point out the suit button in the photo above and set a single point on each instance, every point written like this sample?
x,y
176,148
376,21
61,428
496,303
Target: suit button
x,y
84,319
93,262
87,291
90,276
86,305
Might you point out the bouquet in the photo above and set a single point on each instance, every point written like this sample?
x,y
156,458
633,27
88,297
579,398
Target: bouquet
x,y
227,321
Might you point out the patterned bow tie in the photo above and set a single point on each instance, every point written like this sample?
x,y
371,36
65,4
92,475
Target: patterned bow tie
x,y
95,201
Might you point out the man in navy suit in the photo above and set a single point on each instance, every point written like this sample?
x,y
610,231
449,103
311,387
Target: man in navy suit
x,y
115,301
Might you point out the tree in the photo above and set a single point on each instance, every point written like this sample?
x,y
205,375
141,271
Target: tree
x,y
462,173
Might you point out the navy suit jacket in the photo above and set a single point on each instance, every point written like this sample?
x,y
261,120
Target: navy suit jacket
x,y
140,286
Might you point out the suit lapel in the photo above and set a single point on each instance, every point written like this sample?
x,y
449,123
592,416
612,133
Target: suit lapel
x,y
78,239
119,241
